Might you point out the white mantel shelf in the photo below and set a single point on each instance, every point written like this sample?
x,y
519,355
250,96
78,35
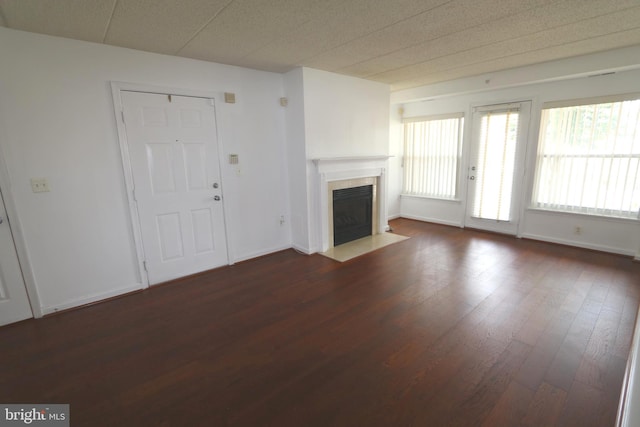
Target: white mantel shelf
x,y
333,168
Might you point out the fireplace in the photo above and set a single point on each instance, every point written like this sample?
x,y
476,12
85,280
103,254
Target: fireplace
x,y
352,213
350,173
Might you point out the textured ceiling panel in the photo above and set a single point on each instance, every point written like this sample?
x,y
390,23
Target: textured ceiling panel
x,y
159,26
582,47
448,19
626,20
247,25
347,21
406,43
77,19
525,23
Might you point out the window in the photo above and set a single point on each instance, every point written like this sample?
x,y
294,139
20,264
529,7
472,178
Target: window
x,y
432,156
589,157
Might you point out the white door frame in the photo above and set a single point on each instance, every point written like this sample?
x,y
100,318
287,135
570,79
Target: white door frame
x,y
18,239
116,90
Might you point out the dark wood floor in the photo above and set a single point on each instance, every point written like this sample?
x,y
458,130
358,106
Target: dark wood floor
x,y
450,327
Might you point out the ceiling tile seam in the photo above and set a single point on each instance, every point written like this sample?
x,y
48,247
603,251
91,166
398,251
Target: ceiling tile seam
x,y
108,26
206,24
354,39
526,52
447,35
500,41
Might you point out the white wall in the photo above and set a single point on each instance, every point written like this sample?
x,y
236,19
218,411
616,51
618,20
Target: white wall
x,y
297,160
57,121
343,117
613,235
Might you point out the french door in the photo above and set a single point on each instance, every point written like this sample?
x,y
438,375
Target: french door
x,y
496,167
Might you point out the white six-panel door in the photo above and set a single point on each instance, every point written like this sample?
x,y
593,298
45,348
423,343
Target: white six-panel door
x,y
173,149
14,303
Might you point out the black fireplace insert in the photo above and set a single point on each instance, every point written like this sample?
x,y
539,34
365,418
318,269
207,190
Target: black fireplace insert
x,y
352,214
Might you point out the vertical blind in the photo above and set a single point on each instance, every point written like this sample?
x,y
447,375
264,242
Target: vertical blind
x,y
495,164
431,156
589,159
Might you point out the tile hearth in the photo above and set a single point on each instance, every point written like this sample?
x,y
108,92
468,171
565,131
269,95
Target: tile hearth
x,y
362,246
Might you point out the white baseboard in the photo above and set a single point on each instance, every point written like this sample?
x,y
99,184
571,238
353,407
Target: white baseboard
x,y
601,248
394,216
306,251
91,299
262,252
433,220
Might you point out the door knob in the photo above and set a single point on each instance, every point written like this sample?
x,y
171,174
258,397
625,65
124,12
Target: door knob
x,y
215,185
472,178
216,198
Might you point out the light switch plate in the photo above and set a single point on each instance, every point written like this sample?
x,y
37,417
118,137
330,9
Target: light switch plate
x,y
39,185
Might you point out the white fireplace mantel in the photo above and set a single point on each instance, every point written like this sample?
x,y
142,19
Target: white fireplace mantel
x,y
345,168
340,165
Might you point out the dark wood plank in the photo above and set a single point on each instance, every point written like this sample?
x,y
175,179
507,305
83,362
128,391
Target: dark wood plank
x,y
545,407
450,327
511,408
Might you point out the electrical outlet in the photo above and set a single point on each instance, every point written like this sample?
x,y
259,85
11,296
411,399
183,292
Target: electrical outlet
x,y
39,185
577,230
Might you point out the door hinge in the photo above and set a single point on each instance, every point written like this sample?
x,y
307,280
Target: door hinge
x,y
122,113
144,265
133,193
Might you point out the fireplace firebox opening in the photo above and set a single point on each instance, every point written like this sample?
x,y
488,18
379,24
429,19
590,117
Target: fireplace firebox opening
x,y
352,213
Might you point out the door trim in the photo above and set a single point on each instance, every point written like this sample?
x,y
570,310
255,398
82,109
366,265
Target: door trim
x,y
19,242
116,90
